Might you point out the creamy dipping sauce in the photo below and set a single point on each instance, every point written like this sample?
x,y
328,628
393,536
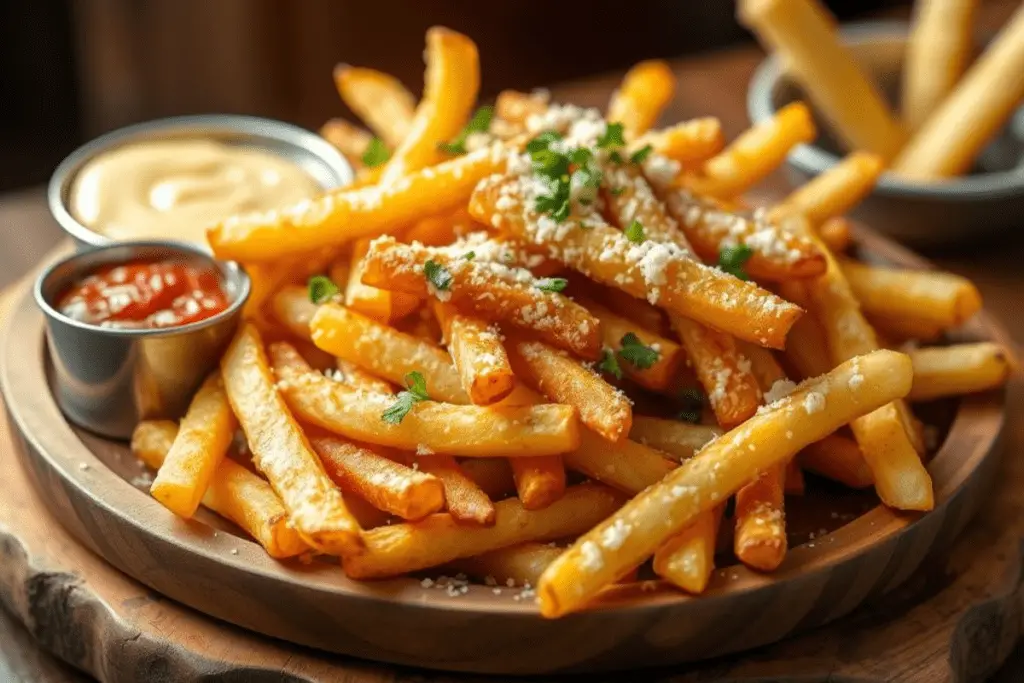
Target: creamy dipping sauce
x,y
176,189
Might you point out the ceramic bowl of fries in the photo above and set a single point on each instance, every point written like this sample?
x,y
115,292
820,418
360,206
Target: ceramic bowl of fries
x,y
955,172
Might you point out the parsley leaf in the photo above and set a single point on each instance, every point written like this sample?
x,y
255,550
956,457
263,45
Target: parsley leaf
x,y
693,401
416,392
321,288
469,255
638,156
552,284
635,353
609,363
437,275
479,123
616,191
615,157
556,203
376,153
731,260
635,232
612,136
542,141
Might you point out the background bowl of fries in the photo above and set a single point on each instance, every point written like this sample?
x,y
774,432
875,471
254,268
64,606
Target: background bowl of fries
x,y
986,202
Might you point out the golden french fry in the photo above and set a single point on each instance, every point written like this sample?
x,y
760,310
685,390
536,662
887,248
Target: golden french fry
x,y
521,564
234,492
687,142
645,91
203,438
894,330
428,426
493,476
959,369
640,311
294,310
516,107
380,304
350,140
635,531
439,539
794,483
449,93
357,378
837,458
540,481
478,355
628,466
382,482
801,32
837,190
679,439
465,499
688,558
760,541
806,347
378,99
953,134
836,233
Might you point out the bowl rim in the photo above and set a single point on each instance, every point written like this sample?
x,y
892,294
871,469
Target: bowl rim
x,y
813,160
256,127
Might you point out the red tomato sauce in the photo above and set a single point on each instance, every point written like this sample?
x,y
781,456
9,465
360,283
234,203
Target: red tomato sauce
x,y
145,295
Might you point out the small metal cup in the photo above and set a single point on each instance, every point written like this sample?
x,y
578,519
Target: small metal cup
x,y
108,379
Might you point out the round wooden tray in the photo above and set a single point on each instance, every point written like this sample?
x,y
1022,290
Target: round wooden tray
x,y
92,487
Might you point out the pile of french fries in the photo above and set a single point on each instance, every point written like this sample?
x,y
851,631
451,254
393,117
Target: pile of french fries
x,y
950,106
442,367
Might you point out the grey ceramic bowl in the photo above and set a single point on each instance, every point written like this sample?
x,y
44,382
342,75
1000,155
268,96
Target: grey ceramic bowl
x,y
959,211
306,149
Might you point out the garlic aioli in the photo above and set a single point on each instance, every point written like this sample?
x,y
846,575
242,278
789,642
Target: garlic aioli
x,y
176,189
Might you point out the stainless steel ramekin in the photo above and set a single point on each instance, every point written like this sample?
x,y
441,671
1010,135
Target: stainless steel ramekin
x,y
319,158
107,379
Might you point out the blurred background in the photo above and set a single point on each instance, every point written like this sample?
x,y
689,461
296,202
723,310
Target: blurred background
x,y
71,69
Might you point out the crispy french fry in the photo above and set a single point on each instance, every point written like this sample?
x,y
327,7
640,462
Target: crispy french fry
x,y
661,273
493,476
491,290
760,541
451,84
681,440
927,298
688,558
478,355
442,229
380,304
203,438
521,564
628,466
802,32
465,499
643,524
806,347
794,483
294,310
645,91
357,378
384,483
430,427
894,330
439,539
837,190
950,138
234,492
386,352
342,215
380,100
350,140
280,449
640,311
838,458
753,155
959,369
687,142
836,233
516,107
565,380
540,481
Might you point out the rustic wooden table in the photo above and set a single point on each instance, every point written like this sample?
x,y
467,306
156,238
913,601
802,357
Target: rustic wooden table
x,y
712,83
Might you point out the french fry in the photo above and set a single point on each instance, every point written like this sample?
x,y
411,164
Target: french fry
x,y
953,134
203,438
793,480
440,539
380,100
640,311
280,449
836,233
493,476
464,498
565,380
442,229
428,427
451,84
521,564
342,215
234,492
959,369
516,107
760,540
680,440
645,91
837,190
838,458
806,347
894,330
928,298
380,304
350,140
357,378
753,155
687,559
294,310
382,482
803,34
688,142
627,466
661,273
386,352
540,481
478,355
637,529
491,290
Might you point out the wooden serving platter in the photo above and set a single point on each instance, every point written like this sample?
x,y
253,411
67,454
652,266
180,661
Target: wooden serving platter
x,y
86,483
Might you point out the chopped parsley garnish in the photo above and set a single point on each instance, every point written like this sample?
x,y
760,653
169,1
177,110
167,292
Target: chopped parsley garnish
x,y
615,157
556,203
321,288
469,255
437,275
616,191
542,141
416,391
565,172
635,232
480,123
609,363
611,137
376,153
732,260
693,401
635,353
638,156
552,284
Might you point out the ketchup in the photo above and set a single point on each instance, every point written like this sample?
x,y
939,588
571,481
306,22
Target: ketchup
x,y
145,295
